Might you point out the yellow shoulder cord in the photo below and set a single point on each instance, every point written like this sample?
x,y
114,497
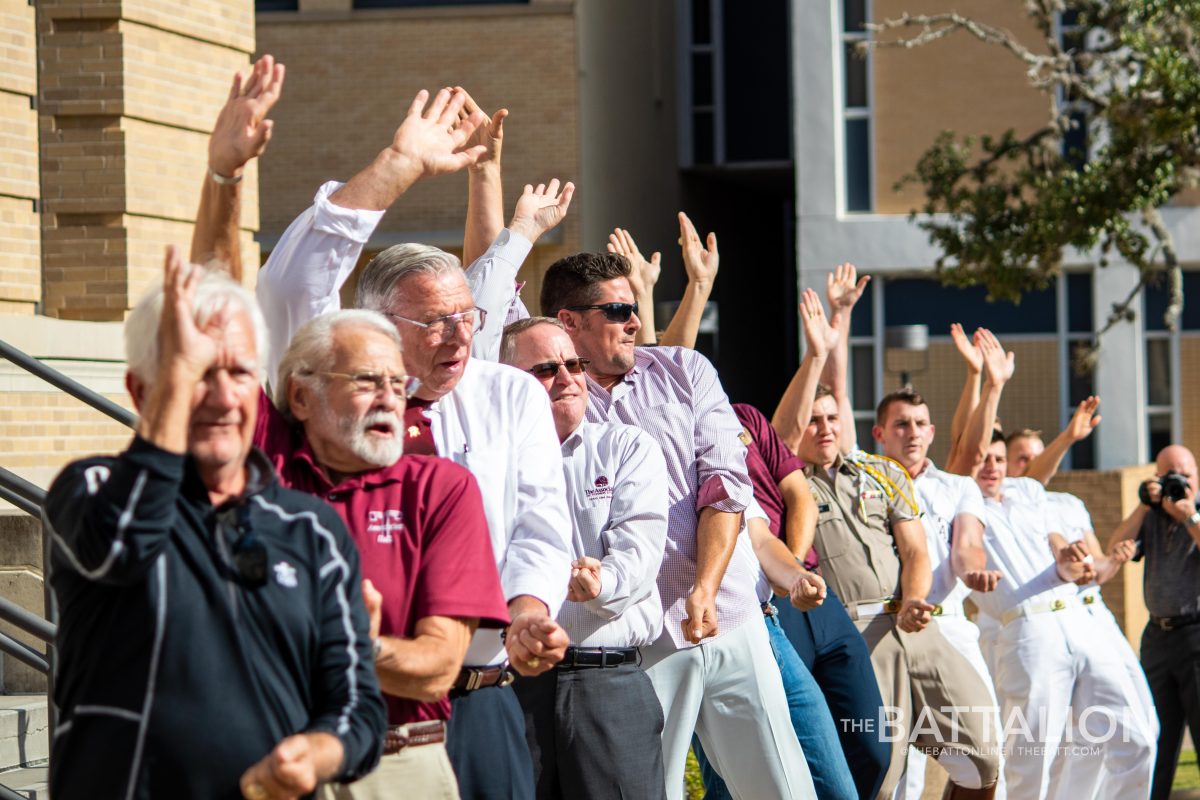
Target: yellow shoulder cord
x,y
888,486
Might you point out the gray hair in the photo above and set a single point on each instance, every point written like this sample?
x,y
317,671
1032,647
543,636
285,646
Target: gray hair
x,y
215,291
311,349
379,278
508,341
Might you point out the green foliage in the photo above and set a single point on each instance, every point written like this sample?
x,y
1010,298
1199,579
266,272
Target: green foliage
x,y
1003,209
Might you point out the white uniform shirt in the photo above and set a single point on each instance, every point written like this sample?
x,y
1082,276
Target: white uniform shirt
x,y
496,422
942,497
1017,542
617,491
1075,522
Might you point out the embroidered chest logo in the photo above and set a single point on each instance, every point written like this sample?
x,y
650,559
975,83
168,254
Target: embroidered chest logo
x,y
384,523
413,431
601,490
285,575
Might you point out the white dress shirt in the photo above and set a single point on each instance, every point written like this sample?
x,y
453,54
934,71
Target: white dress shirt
x,y
496,422
1017,544
617,494
1074,523
943,496
493,281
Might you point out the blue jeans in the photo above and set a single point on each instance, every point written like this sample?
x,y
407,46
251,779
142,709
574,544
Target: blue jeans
x,y
811,720
830,645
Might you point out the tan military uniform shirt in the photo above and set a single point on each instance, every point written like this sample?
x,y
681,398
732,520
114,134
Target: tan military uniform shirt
x,y
856,508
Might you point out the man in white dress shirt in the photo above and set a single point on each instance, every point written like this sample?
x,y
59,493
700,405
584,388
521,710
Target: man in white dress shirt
x,y
593,722
1050,659
489,418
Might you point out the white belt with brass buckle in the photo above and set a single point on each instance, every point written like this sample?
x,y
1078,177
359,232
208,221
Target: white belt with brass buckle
x,y
1046,607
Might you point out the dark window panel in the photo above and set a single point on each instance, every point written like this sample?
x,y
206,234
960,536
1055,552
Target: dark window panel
x,y
1154,302
862,365
916,301
855,72
701,22
1160,433
1075,141
702,79
276,5
1083,454
757,67
1158,372
858,165
862,321
854,15
866,441
703,146
1079,302
419,3
1079,387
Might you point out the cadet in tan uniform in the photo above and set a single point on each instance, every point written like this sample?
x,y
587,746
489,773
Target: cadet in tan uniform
x,y
873,554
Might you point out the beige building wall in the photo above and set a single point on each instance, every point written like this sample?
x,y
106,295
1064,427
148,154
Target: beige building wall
x,y
20,242
129,91
957,83
1189,375
353,74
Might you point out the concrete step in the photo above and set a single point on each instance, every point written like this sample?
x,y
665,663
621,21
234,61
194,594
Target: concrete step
x,y
24,731
30,782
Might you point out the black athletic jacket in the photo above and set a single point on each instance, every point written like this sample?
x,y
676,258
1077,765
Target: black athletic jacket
x,y
174,672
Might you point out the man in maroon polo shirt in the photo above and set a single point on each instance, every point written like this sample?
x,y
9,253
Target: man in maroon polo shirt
x,y
418,522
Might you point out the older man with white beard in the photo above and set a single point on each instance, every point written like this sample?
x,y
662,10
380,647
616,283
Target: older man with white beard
x,y
418,523
597,708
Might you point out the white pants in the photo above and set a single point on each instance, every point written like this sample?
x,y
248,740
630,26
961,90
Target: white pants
x,y
1083,775
1052,668
729,691
963,635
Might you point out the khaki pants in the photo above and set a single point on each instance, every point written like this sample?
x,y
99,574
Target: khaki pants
x,y
423,771
933,697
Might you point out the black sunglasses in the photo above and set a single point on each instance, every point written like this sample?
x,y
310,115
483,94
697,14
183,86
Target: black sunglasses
x,y
550,368
613,312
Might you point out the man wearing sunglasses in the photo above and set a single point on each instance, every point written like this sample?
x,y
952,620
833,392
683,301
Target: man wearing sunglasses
x,y
597,708
212,641
418,522
712,666
486,417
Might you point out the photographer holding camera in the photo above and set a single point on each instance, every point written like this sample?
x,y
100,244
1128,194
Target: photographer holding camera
x,y
1167,527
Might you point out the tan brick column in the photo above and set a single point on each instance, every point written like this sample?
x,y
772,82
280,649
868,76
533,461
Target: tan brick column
x,y
20,240
129,90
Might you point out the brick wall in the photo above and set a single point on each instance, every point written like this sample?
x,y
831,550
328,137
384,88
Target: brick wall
x,y
20,245
129,90
353,74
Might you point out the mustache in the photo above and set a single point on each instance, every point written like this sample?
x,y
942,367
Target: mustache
x,y
382,418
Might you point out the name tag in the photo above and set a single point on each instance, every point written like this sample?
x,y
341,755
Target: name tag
x,y
871,494
823,508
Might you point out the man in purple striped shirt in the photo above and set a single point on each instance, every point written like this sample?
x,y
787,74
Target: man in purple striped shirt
x,y
712,672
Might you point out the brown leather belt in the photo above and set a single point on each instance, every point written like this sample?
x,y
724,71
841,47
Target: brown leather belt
x,y
413,734
472,678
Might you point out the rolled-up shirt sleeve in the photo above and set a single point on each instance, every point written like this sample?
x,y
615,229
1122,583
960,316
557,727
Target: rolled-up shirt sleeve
x,y
636,534
493,281
722,481
538,559
308,266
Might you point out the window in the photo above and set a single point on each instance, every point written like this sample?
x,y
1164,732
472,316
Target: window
x,y
1073,38
1075,321
925,301
276,5
864,369
1164,408
419,3
856,109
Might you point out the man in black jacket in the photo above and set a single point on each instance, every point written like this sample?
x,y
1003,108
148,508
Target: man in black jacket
x,y
213,641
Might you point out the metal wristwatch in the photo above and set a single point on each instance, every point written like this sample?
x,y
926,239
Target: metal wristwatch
x,y
1194,519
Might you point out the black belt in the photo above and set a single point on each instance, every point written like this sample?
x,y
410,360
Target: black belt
x,y
594,657
1171,623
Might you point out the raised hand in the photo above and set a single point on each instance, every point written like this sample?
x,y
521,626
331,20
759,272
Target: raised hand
x,y
242,130
997,364
489,134
982,580
966,348
643,274
820,335
915,615
585,580
808,591
700,260
1084,420
433,139
843,287
185,352
538,210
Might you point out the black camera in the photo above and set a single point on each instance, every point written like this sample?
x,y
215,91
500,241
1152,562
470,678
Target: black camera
x,y
1174,487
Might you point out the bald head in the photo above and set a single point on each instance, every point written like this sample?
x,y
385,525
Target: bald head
x,y
1177,458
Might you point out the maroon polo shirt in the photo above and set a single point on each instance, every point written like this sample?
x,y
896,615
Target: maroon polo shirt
x,y
421,532
769,461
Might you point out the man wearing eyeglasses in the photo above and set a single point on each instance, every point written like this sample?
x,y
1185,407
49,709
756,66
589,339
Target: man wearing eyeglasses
x,y
212,641
712,667
486,417
597,709
418,522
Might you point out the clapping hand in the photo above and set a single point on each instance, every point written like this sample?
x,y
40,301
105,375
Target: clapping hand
x,y
540,209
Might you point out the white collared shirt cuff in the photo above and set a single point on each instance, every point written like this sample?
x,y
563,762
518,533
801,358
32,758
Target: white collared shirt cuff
x,y
355,224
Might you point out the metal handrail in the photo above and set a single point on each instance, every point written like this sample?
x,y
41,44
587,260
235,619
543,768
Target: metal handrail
x,y
26,620
68,385
24,653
